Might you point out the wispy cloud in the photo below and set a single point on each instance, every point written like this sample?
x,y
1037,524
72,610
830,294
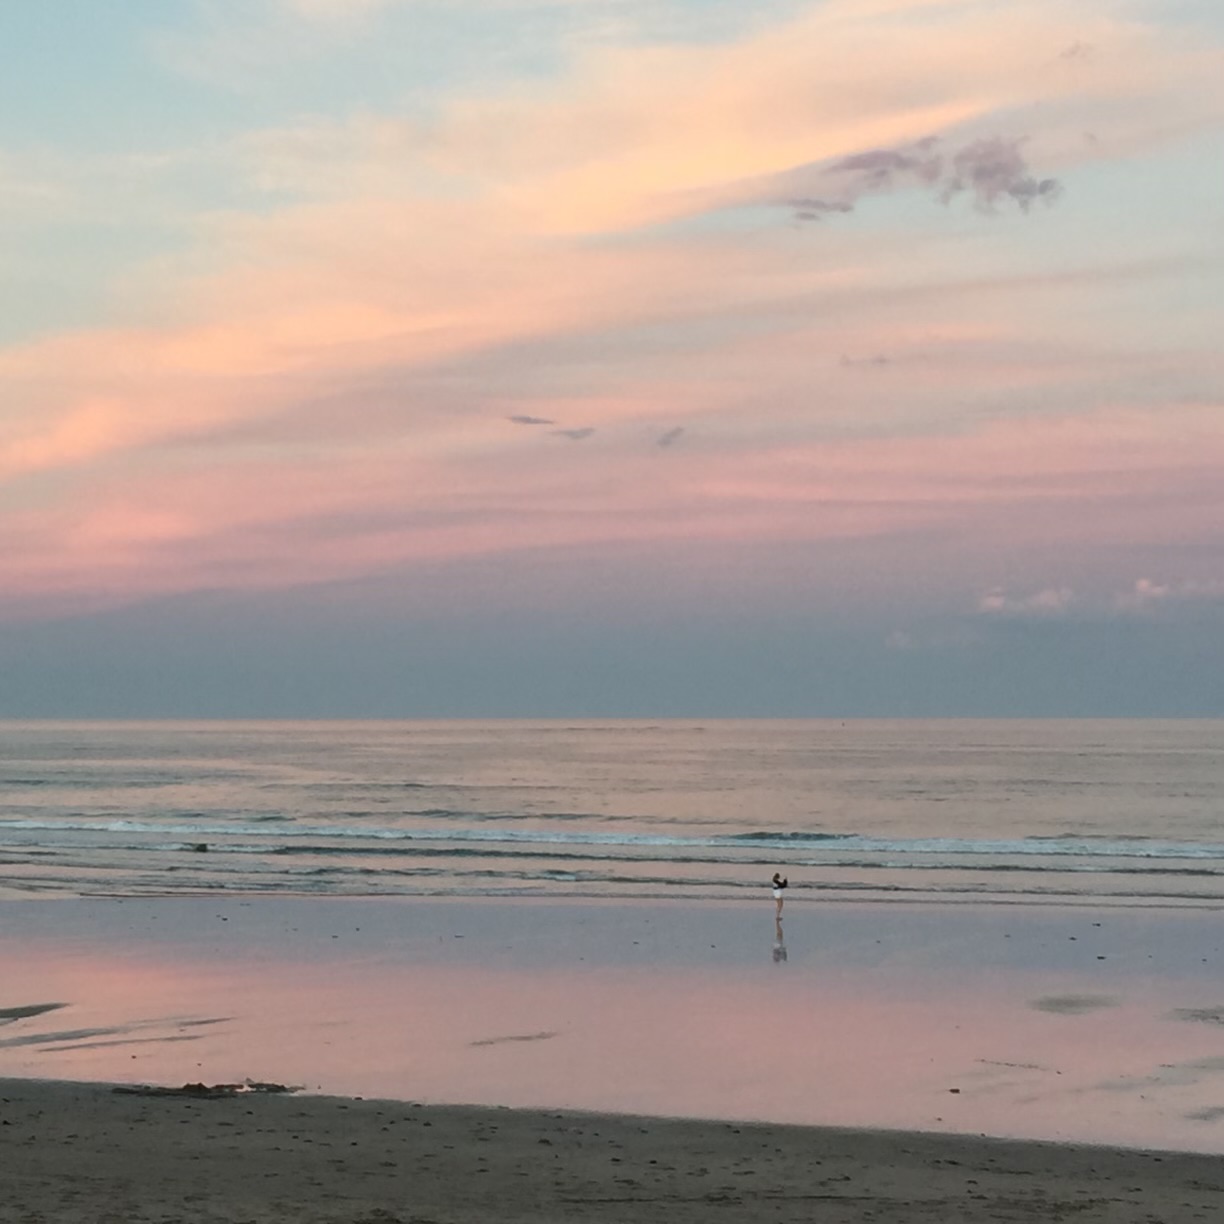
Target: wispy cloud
x,y
1076,51
1047,603
1146,596
809,208
1143,598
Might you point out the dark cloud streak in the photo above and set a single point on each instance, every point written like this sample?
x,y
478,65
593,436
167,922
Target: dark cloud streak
x,y
995,170
1076,51
992,171
880,169
810,209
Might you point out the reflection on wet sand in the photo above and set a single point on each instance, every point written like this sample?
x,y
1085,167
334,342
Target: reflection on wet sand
x,y
10,1015
63,1040
779,948
895,1018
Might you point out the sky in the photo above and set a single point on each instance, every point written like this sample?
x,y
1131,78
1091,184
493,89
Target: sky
x,y
501,358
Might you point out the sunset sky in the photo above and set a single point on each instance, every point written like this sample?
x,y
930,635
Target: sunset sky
x,y
611,357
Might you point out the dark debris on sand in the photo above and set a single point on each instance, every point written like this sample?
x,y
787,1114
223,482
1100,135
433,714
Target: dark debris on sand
x,y
203,1091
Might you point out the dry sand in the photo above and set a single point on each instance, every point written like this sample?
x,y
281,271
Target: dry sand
x,y
73,1152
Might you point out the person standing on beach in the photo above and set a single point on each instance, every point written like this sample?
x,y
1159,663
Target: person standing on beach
x,y
779,883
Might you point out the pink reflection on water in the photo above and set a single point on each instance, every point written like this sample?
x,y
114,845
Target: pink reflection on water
x,y
859,1046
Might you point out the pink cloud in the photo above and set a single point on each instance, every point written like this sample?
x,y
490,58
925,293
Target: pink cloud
x,y
277,520
337,371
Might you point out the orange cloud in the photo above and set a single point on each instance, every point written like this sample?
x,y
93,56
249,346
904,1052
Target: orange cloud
x,y
639,135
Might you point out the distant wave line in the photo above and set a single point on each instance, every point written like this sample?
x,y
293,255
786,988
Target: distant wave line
x,y
1136,848
846,853
829,842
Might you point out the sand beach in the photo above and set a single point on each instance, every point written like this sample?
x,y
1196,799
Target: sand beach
x,y
82,1153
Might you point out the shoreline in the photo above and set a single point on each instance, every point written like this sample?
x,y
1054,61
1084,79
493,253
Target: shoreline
x,y
799,895
81,1152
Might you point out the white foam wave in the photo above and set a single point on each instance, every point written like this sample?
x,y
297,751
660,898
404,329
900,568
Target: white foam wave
x,y
822,844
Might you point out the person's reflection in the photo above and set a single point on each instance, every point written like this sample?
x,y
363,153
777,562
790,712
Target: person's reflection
x,y
779,948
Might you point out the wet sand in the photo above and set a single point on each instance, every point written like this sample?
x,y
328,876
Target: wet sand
x,y
1080,1026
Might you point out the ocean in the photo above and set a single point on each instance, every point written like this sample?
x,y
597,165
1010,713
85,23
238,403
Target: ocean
x,y
1107,812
